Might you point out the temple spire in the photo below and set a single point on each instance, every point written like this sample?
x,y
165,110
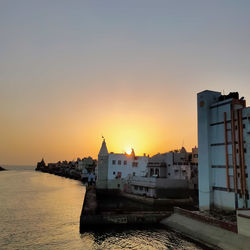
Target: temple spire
x,y
103,150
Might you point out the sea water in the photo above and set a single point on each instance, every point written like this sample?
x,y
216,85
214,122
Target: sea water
x,y
42,211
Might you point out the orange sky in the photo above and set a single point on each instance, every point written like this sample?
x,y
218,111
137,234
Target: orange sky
x,y
127,70
73,128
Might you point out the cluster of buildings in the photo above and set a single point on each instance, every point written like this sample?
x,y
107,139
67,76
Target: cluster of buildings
x,y
79,169
219,174
169,175
224,160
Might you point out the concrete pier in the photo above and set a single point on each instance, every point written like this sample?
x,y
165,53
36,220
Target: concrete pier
x,y
110,209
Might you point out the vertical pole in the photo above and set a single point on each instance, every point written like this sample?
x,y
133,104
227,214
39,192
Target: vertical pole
x,y
240,152
234,157
243,158
226,151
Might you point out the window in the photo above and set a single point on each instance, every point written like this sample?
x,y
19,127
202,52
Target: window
x,y
113,173
141,188
119,162
133,173
157,171
118,185
113,162
151,171
146,189
134,164
195,155
125,162
136,187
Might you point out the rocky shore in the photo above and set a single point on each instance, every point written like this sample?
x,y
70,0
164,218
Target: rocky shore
x,y
2,169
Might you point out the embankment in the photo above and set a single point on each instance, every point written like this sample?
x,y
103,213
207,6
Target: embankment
x,y
103,209
211,232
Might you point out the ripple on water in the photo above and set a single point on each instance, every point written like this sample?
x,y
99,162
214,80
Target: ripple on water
x,y
42,211
155,238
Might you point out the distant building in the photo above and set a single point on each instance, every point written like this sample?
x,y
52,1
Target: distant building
x,y
113,169
224,150
195,156
86,166
170,175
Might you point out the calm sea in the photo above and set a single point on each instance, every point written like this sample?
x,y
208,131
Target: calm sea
x,y
42,211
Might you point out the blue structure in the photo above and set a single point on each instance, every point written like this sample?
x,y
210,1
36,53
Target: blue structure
x,y
224,150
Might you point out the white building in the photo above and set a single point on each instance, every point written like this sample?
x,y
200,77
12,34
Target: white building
x,y
113,168
224,150
172,165
170,175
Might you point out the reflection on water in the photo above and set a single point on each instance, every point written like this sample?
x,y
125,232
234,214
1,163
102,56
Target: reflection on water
x,y
42,211
137,239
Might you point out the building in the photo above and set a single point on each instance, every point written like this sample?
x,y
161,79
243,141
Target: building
x,y
195,156
169,175
224,150
113,170
171,164
86,163
86,166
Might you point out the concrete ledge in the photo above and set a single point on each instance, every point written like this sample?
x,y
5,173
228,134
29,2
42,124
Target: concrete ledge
x,y
212,221
95,216
158,201
243,221
207,232
90,222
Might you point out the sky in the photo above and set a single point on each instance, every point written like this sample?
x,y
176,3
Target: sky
x,y
74,71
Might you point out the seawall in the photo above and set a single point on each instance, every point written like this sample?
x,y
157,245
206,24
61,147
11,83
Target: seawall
x,y
103,209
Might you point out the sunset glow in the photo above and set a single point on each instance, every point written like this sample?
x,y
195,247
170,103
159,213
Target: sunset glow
x,y
124,70
128,150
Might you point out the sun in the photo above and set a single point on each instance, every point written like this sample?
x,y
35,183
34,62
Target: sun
x,y
128,150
